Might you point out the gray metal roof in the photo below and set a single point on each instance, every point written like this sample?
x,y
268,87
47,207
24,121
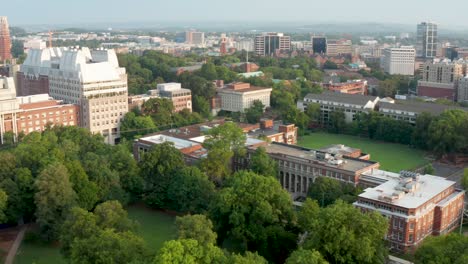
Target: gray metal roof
x,y
342,97
418,107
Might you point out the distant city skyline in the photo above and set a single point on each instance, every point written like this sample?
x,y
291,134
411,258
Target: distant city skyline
x,y
29,12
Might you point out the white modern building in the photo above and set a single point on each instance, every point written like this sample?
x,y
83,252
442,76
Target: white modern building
x,y
34,44
237,97
399,60
426,40
91,79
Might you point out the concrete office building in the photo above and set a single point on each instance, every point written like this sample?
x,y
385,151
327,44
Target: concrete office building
x,y
180,97
416,205
236,97
5,40
92,80
195,38
426,40
350,104
272,44
319,44
440,79
339,47
462,93
31,113
399,60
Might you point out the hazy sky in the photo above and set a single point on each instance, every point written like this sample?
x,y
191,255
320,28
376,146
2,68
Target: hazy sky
x,y
448,13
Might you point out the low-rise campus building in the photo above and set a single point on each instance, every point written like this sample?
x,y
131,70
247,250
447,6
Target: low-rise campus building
x,y
236,97
416,206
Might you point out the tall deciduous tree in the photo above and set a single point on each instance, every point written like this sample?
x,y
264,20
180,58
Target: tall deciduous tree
x,y
222,143
197,227
343,228
446,249
3,205
189,251
337,122
54,197
254,113
448,132
262,164
247,258
248,207
157,167
303,256
190,190
109,246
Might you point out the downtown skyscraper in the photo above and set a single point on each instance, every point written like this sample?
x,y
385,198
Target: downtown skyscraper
x,y
426,40
5,40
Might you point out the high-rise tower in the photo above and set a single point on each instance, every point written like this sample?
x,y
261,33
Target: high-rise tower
x,y
426,40
5,41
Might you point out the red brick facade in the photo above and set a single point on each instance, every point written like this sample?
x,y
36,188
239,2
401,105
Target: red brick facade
x,y
436,92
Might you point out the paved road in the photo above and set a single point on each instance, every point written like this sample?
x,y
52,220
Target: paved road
x,y
14,248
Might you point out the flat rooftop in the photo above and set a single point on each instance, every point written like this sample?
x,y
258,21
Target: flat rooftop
x,y
339,149
178,143
329,96
418,107
429,186
349,164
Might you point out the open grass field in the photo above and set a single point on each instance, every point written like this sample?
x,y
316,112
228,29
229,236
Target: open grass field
x,y
38,253
392,157
156,227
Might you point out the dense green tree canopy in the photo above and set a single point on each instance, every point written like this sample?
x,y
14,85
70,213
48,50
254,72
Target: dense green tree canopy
x,y
303,256
343,234
197,227
262,164
446,249
249,207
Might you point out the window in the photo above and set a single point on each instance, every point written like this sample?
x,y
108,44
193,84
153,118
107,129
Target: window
x,y
410,239
411,226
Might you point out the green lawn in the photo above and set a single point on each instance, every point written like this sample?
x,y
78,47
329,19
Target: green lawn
x,y
392,157
156,227
38,253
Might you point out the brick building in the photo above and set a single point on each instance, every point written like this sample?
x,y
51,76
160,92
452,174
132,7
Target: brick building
x,y
349,87
440,79
416,206
180,97
31,113
5,41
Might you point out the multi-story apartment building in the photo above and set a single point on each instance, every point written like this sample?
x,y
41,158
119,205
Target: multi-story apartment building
x,y
319,44
180,97
5,41
440,79
236,97
92,80
272,44
349,87
399,60
416,206
339,47
31,113
426,40
350,104
195,37
409,110
462,93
